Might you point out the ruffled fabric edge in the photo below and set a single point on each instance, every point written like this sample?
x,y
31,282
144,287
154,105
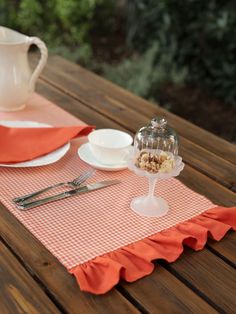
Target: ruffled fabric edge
x,y
134,261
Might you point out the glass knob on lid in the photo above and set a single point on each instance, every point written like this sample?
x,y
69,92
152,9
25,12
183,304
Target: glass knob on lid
x,y
159,122
157,136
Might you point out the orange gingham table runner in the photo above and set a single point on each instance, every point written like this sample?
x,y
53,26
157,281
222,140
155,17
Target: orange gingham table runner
x,y
80,229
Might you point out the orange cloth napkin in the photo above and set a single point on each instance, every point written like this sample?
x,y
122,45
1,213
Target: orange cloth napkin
x,y
22,144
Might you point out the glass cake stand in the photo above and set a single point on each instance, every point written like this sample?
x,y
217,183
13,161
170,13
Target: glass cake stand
x,y
151,205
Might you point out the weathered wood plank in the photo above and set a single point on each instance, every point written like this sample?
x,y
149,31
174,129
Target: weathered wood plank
x,y
90,88
209,275
200,158
156,293
226,247
19,293
75,107
208,163
204,185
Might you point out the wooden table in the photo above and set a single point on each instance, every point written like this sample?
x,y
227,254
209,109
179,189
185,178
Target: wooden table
x,y
33,281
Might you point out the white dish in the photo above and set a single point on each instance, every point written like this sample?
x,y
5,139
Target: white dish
x,y
40,161
86,155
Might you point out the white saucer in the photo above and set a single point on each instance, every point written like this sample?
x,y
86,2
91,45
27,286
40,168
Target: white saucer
x,y
86,155
39,161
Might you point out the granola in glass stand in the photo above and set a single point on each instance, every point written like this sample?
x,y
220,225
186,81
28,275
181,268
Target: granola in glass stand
x,y
155,156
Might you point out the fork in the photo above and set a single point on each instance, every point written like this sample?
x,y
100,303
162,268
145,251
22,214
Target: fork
x,y
74,183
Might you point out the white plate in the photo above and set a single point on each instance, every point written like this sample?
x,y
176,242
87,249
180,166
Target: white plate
x,y
86,155
40,161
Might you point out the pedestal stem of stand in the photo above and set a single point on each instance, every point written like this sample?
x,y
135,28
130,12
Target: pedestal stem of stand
x,y
152,183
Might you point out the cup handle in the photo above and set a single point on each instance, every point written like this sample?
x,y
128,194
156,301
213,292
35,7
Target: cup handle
x,y
42,62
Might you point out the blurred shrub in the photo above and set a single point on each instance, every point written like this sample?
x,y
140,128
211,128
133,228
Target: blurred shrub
x,y
194,37
143,74
63,24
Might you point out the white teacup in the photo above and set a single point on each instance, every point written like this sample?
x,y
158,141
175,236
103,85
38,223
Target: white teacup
x,y
110,146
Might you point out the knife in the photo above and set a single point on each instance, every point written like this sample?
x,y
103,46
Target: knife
x,y
73,192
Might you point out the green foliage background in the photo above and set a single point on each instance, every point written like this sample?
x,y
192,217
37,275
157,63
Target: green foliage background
x,y
63,24
181,42
196,41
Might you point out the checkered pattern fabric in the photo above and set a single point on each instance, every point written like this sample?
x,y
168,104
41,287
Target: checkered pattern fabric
x,y
79,228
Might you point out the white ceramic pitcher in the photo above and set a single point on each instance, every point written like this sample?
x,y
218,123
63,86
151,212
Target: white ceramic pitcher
x,y
16,79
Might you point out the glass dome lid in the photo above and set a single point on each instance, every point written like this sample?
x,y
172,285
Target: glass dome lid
x,y
157,136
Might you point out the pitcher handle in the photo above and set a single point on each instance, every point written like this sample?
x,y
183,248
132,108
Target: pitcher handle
x,y
42,62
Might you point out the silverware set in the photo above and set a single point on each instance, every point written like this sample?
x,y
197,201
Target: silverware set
x,y
24,202
76,182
